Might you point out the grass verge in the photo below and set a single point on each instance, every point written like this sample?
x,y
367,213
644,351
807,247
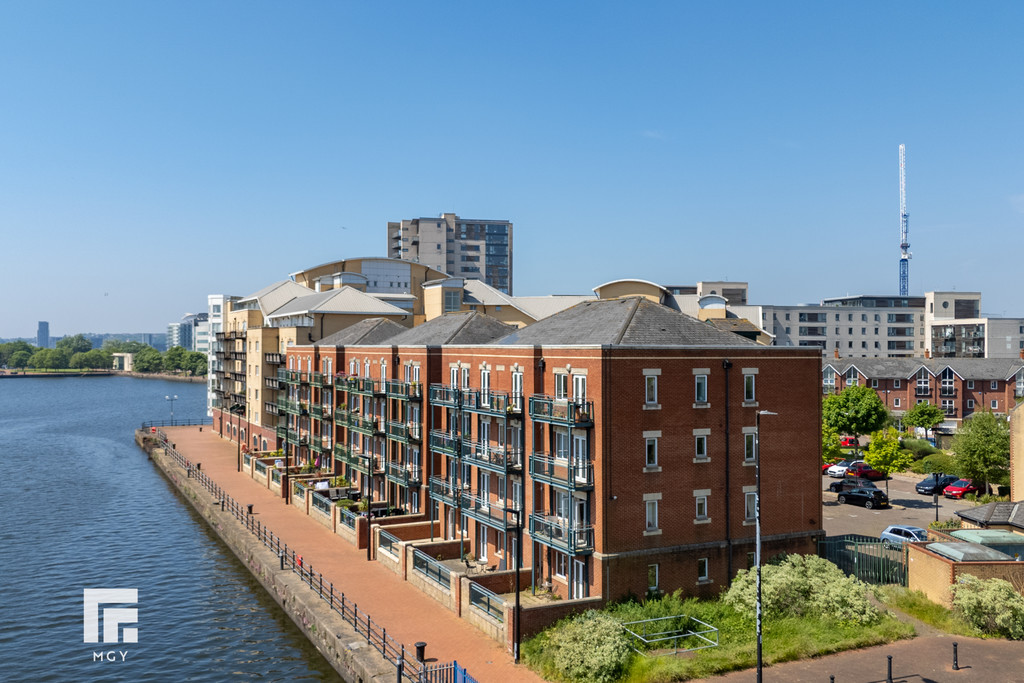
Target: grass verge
x,y
917,605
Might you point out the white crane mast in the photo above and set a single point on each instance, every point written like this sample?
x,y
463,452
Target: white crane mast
x,y
904,226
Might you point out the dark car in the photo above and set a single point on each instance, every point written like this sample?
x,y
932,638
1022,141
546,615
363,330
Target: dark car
x,y
869,498
863,470
935,483
850,483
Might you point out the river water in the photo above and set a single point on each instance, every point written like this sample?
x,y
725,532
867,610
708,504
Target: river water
x,y
81,507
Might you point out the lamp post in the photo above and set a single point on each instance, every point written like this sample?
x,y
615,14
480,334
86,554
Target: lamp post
x,y
515,615
757,525
172,399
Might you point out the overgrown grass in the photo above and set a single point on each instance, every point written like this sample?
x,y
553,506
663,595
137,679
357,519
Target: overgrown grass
x,y
784,639
917,605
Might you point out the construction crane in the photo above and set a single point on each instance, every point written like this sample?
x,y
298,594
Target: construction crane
x,y
904,226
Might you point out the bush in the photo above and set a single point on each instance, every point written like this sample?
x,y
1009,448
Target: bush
x,y
919,447
936,462
991,605
803,585
591,647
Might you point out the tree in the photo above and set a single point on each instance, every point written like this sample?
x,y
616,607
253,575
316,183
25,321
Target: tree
x,y
73,345
885,455
855,411
48,359
19,359
8,350
981,448
118,346
174,359
96,359
925,415
148,360
831,448
196,363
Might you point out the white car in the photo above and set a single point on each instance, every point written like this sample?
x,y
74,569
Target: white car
x,y
839,469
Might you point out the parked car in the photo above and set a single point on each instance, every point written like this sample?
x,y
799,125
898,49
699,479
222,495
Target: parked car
x,y
935,483
850,483
898,534
839,469
848,442
869,498
960,488
863,470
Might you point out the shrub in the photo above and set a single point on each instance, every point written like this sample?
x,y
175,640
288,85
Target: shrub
x,y
991,605
946,524
919,447
936,462
591,647
803,585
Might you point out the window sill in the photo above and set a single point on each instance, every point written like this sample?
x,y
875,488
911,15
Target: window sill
x,y
750,404
697,406
653,468
702,520
652,406
749,463
652,532
702,459
704,582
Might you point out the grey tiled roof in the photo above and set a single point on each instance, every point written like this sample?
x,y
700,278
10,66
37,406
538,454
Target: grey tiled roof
x,y
903,368
462,327
996,513
632,321
368,331
344,300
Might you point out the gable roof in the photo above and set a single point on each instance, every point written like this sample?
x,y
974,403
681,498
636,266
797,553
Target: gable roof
x,y
275,295
478,292
368,331
1011,514
630,321
345,300
984,369
460,327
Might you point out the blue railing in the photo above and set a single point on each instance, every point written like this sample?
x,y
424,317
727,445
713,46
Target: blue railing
x,y
322,503
389,543
261,468
432,569
348,518
486,601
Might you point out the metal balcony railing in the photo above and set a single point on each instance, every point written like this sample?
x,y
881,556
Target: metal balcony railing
x,y
562,411
562,472
555,532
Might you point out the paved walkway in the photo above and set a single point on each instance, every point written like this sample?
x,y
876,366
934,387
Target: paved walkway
x,y
408,615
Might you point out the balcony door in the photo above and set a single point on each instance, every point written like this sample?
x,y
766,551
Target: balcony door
x,y
579,579
580,457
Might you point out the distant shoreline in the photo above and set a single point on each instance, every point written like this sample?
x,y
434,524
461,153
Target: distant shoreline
x,y
9,374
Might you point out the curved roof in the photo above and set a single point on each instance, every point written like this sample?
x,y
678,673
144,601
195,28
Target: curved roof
x,y
632,279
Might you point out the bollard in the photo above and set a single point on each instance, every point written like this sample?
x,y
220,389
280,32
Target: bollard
x,y
888,675
420,651
956,665
200,429
222,505
250,508
280,556
199,466
401,665
831,679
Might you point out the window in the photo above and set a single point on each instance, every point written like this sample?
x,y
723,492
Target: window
x,y
852,377
700,388
579,388
995,404
701,447
452,299
485,387
561,385
874,384
896,384
651,507
970,384
517,390
561,565
947,407
750,505
702,569
652,453
970,404
453,377
828,380
994,385
465,378
895,403
751,557
748,388
749,447
651,389
702,507
652,577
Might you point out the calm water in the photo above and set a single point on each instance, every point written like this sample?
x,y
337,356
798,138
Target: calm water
x,y
82,507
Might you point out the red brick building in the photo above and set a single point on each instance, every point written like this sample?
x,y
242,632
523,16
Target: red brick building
x,y
620,435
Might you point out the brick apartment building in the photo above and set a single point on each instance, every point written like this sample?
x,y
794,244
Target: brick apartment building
x,y
620,435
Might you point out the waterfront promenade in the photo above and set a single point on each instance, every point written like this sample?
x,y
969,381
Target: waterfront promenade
x,y
408,615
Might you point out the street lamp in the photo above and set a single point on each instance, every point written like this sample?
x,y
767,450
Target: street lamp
x,y
519,543
172,399
757,525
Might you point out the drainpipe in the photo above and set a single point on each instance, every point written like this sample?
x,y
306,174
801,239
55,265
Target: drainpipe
x,y
726,364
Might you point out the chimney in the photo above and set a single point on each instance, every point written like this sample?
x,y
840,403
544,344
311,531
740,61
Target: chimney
x,y
927,353
835,353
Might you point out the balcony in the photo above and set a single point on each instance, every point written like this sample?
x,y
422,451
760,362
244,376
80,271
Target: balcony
x,y
445,443
271,408
273,358
404,391
404,432
499,459
370,426
236,355
286,406
922,391
561,472
342,418
288,376
316,411
556,533
496,403
404,475
493,513
363,386
949,412
353,458
282,433
562,411
444,395
319,379
271,383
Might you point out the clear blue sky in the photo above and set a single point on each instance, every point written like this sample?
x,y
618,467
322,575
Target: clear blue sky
x,y
152,153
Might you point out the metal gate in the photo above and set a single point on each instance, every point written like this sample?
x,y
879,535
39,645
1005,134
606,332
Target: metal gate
x,y
446,673
866,558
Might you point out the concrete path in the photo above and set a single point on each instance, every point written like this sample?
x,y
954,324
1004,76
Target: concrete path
x,y
408,615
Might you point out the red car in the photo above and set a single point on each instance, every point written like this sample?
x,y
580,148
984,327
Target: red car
x,y
864,471
960,488
848,442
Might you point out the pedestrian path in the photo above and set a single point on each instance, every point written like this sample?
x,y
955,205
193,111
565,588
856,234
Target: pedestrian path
x,y
408,615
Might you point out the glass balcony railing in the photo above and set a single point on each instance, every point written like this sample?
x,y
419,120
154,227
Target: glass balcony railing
x,y
562,472
562,411
404,391
555,532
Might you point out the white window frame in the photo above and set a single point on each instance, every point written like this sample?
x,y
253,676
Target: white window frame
x,y
579,388
970,404
970,384
701,507
651,452
749,506
700,388
700,447
651,515
994,385
652,571
749,388
651,390
896,384
749,447
561,386
995,404
702,570
896,402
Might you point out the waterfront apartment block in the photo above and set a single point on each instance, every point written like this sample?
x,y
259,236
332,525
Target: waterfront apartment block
x,y
474,249
619,435
959,386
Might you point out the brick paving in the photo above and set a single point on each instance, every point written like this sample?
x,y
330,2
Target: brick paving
x,y
408,615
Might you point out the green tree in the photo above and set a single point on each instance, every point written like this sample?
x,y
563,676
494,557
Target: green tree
x,y
96,359
118,346
885,455
982,448
855,411
73,345
148,360
196,363
8,350
48,359
174,359
925,415
831,448
19,359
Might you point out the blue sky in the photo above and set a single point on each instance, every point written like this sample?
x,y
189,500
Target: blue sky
x,y
153,153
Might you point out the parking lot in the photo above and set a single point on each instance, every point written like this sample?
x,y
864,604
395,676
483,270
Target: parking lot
x,y
906,507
